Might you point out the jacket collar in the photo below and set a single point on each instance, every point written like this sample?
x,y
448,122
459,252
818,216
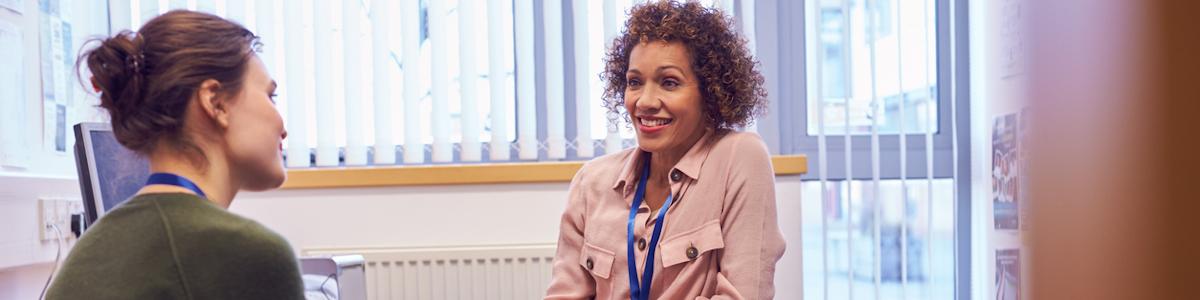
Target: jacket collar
x,y
689,165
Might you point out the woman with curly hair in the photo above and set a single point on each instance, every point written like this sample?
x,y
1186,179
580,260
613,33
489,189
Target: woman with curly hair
x,y
690,212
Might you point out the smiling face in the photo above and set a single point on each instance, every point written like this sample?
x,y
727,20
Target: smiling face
x,y
662,96
255,136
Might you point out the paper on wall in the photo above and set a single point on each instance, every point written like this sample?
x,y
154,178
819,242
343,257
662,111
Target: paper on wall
x,y
12,97
1008,274
17,6
56,91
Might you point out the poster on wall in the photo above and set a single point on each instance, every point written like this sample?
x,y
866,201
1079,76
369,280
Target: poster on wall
x,y
56,65
1008,274
12,97
1005,171
1023,156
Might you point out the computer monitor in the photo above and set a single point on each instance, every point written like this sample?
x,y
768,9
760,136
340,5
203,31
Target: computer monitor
x,y
109,173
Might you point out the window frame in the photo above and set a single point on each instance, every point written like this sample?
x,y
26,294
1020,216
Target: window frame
x,y
790,73
800,141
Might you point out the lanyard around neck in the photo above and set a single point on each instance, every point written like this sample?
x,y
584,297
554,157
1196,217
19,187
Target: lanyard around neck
x,y
175,180
641,291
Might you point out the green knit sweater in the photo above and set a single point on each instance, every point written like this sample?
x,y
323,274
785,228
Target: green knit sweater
x,y
178,246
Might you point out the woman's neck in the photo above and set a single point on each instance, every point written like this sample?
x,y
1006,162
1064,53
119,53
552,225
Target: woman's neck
x,y
662,162
213,178
661,165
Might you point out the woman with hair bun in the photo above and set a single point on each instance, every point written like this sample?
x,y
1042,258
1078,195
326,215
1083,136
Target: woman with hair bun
x,y
188,92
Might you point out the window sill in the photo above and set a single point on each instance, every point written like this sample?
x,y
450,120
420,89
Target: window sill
x,y
530,172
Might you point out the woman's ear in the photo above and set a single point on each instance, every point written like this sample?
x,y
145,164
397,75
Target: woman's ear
x,y
216,108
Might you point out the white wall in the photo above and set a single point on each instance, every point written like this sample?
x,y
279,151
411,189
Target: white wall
x,y
999,85
39,172
24,282
447,216
24,258
424,216
20,242
410,216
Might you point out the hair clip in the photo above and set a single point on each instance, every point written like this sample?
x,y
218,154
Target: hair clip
x,y
135,62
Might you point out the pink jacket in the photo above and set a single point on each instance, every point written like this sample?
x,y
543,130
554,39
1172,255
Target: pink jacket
x,y
721,239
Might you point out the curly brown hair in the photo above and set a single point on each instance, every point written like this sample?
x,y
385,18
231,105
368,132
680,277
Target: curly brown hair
x,y
731,87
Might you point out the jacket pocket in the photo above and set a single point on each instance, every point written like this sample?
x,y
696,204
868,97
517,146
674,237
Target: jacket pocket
x,y
597,260
692,244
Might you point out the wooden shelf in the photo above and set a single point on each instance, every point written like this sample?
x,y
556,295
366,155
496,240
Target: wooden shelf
x,y
495,173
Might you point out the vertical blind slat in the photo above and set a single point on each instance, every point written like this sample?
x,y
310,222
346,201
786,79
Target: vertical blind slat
x,y
410,19
872,38
382,70
748,11
612,141
353,60
443,151
468,76
499,59
729,8
221,7
250,15
267,30
235,11
726,6
552,22
929,111
526,88
903,151
120,15
953,99
583,80
208,6
136,14
296,96
817,93
847,61
327,150
747,20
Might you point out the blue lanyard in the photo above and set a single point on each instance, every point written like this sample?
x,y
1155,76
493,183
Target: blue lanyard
x,y
175,180
641,291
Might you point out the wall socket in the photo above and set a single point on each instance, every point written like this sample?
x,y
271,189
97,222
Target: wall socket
x,y
57,211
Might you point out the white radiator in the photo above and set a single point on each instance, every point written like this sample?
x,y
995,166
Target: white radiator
x,y
485,272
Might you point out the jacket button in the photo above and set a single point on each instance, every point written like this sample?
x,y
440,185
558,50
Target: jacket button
x,y
589,263
692,252
642,244
676,175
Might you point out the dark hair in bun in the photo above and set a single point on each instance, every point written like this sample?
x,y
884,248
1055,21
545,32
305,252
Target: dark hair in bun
x,y
147,78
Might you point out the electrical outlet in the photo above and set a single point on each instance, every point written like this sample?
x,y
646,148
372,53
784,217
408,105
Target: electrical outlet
x,y
46,216
75,207
57,212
